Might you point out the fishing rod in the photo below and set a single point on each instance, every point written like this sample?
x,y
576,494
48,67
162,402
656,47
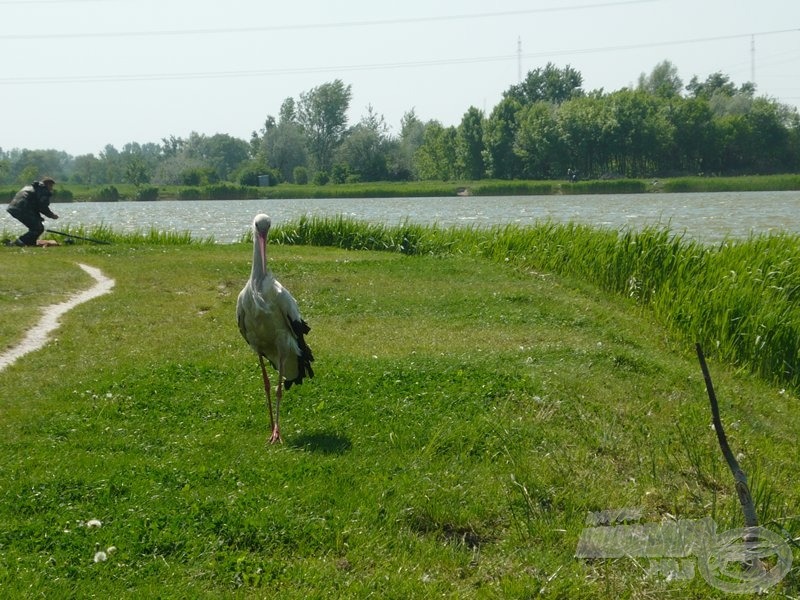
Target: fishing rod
x,y
77,237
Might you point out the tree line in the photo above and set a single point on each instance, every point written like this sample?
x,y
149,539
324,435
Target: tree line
x,y
544,127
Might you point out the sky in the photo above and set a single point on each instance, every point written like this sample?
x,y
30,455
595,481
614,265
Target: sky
x,y
77,75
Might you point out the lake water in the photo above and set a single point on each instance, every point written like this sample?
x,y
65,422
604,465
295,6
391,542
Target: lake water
x,y
707,217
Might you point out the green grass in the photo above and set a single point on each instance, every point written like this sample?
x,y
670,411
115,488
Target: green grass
x,y
466,415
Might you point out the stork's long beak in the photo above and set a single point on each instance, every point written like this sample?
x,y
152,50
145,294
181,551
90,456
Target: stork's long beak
x,y
262,250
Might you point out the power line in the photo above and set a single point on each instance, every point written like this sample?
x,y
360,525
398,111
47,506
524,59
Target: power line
x,y
660,44
306,26
366,67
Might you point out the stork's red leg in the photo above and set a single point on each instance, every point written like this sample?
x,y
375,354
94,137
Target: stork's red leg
x,y
267,391
276,430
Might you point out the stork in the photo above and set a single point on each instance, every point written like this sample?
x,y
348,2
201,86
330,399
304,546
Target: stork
x,y
270,322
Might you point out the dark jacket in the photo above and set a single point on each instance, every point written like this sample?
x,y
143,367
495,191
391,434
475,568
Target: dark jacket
x,y
32,199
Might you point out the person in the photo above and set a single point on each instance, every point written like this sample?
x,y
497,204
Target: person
x,y
28,206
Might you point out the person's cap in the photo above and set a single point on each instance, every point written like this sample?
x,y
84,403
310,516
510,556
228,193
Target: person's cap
x,y
47,180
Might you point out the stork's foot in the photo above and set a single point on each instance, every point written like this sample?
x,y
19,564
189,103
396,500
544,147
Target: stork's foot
x,y
276,436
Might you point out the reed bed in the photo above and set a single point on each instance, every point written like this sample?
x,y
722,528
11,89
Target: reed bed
x,y
738,299
106,234
69,192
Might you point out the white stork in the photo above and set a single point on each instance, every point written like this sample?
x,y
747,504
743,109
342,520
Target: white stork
x,y
270,321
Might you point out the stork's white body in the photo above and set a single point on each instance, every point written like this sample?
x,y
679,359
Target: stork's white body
x,y
270,322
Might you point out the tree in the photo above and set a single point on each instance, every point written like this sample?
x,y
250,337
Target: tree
x,y
412,133
322,113
642,136
220,153
550,84
469,146
663,81
717,83
365,149
283,144
693,136
436,156
588,127
113,169
539,145
136,172
500,131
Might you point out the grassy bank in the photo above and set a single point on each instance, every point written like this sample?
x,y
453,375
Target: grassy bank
x,y
464,420
83,193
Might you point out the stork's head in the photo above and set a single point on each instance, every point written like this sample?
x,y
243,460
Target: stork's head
x,y
261,224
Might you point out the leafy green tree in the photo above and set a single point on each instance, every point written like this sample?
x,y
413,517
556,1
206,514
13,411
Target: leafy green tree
x,y
28,165
136,172
588,128
500,131
550,84
5,168
693,137
282,144
412,133
172,146
717,83
436,157
87,169
113,167
663,81
470,149
365,148
642,135
539,144
220,152
322,113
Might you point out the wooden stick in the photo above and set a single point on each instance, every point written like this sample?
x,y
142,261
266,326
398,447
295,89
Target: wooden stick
x,y
745,499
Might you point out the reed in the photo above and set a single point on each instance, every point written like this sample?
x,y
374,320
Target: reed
x,y
104,233
739,299
68,192
748,183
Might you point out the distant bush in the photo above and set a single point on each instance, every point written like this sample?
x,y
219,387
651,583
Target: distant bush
x,y
7,194
321,178
249,176
190,193
105,194
300,175
226,191
146,194
62,195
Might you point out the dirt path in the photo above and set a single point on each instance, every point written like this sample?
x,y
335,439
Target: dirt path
x,y
37,335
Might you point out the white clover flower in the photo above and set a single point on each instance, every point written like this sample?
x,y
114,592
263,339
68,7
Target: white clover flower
x,y
94,523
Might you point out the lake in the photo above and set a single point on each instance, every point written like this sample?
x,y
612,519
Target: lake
x,y
706,217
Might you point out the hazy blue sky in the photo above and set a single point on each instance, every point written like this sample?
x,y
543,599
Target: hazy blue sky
x,y
76,75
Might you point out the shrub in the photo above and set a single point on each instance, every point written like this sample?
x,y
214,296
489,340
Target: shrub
x,y
105,194
300,175
146,194
321,178
62,195
190,193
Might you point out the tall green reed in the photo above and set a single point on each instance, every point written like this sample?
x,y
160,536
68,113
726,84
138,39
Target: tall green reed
x,y
738,299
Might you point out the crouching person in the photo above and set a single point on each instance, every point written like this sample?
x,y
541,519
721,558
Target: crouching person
x,y
29,206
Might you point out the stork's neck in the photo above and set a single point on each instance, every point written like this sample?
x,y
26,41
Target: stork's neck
x,y
260,269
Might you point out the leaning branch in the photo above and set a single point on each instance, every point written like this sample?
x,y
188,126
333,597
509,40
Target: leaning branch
x,y
745,499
